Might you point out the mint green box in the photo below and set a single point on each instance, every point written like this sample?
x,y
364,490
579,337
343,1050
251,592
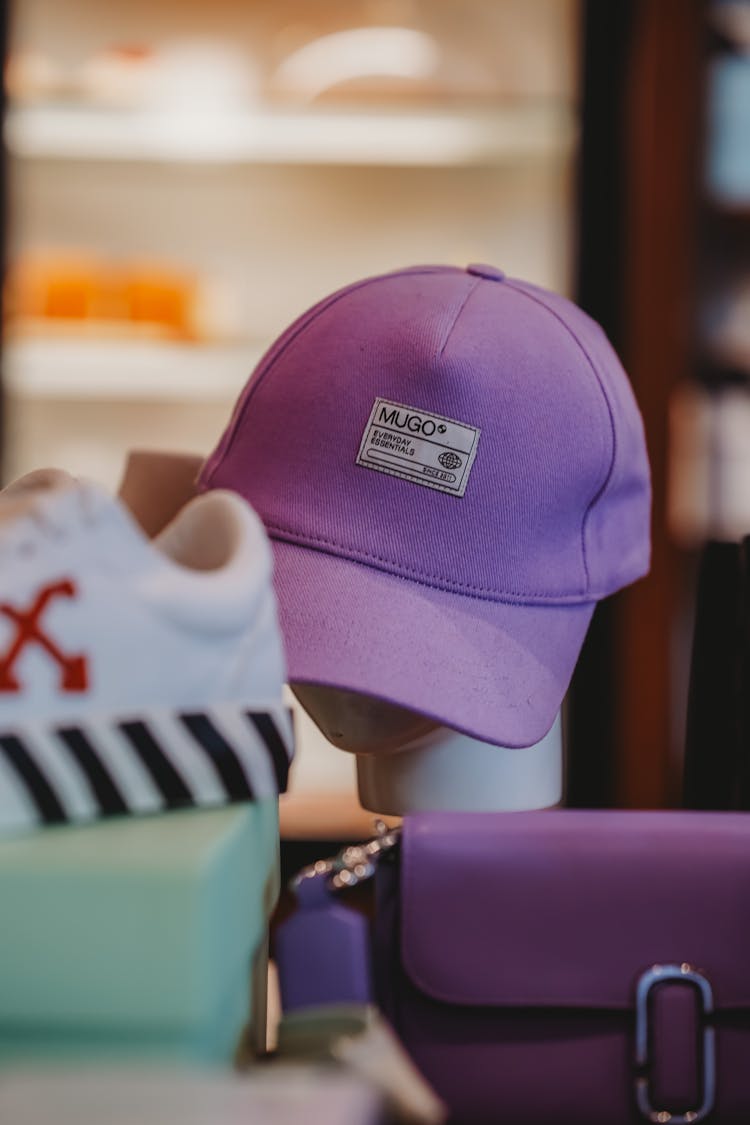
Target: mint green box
x,y
137,937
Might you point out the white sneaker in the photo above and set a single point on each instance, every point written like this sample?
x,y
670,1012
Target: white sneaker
x,y
135,675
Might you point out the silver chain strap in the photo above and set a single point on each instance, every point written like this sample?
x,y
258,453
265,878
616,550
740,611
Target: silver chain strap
x,y
354,864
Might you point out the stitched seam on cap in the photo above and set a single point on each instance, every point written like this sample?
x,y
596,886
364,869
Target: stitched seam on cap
x,y
421,577
461,307
600,383
305,321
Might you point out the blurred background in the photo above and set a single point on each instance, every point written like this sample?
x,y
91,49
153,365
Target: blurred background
x,y
183,179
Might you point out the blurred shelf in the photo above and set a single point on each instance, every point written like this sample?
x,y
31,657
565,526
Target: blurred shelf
x,y
398,138
325,816
734,207
126,369
732,19
721,211
717,368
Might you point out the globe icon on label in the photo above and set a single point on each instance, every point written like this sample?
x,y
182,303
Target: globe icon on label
x,y
449,460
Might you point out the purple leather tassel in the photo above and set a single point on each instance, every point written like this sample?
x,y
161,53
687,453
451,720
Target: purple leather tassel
x,y
323,951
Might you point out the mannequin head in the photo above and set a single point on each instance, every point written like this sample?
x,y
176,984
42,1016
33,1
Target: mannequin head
x,y
409,763
359,723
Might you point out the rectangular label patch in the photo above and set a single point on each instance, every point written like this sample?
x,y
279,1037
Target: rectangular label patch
x,y
418,446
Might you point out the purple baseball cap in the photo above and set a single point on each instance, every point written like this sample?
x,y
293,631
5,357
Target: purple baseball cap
x,y
452,469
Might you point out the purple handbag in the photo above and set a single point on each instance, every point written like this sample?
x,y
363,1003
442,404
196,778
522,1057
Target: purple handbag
x,y
581,968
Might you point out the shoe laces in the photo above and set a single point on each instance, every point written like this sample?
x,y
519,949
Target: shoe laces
x,y
31,524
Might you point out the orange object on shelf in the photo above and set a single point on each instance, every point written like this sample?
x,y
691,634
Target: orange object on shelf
x,y
70,295
63,287
159,297
67,292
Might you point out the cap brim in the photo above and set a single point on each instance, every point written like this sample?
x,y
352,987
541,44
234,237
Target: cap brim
x,y
495,671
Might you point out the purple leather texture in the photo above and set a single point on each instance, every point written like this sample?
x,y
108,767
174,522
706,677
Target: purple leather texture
x,y
508,947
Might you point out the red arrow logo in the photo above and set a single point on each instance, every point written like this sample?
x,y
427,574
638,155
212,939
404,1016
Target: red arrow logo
x,y
73,669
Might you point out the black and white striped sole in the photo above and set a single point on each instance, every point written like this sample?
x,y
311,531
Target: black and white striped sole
x,y
104,767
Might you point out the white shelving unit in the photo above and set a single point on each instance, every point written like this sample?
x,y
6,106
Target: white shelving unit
x,y
78,137
395,138
127,370
278,207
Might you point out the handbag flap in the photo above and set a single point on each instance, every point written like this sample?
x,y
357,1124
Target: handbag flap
x,y
569,908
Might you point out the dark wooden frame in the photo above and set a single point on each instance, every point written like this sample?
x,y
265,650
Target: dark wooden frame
x,y
642,129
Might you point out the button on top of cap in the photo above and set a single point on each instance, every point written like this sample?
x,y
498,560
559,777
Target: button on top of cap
x,y
491,273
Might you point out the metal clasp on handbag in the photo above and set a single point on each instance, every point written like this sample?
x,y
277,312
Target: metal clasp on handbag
x,y
354,864
658,975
